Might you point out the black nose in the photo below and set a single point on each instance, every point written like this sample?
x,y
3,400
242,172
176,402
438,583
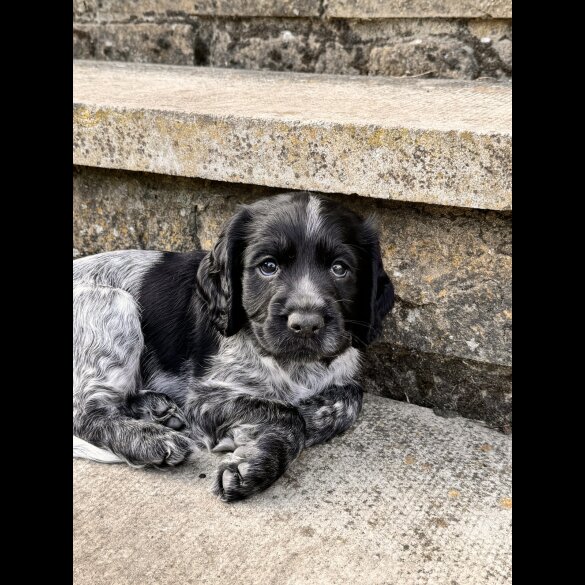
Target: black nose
x,y
305,324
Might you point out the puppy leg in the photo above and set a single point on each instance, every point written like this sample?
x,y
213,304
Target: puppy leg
x,y
267,438
331,412
107,343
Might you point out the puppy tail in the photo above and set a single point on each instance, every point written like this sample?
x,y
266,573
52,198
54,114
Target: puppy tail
x,y
85,450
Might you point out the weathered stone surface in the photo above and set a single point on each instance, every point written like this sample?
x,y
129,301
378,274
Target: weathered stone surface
x,y
282,45
450,385
444,58
418,8
326,46
441,142
452,269
504,49
308,46
147,43
111,10
404,497
256,7
355,9
117,210
447,343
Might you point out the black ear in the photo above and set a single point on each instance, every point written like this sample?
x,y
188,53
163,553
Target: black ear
x,y
375,292
219,278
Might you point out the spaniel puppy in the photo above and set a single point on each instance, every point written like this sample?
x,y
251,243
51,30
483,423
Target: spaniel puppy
x,y
253,348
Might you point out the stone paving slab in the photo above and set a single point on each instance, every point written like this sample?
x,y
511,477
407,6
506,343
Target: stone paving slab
x,y
111,9
405,497
433,141
419,9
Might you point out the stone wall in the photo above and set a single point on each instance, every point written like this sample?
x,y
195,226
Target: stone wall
x,y
447,38
446,345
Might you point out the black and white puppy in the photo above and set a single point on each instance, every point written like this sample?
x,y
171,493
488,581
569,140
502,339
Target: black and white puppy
x,y
252,348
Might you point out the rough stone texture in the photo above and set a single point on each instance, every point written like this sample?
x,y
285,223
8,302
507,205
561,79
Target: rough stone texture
x,y
462,48
354,9
117,210
414,8
422,47
443,142
405,497
109,10
450,385
453,270
447,343
145,42
446,58
504,49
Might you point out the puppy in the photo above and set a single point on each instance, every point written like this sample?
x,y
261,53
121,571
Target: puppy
x,y
253,348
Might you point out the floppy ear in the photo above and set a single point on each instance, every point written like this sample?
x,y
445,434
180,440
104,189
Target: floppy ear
x,y
219,277
375,294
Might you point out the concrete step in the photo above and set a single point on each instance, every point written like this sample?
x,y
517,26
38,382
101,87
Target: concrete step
x,y
419,9
152,9
404,497
431,141
442,38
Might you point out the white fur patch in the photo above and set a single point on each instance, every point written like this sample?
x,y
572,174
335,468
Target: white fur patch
x,y
238,366
85,450
124,269
314,222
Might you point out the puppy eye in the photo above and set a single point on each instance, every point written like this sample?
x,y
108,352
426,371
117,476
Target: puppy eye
x,y
269,267
339,269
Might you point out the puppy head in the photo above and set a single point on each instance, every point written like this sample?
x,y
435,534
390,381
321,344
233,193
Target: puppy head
x,y
304,273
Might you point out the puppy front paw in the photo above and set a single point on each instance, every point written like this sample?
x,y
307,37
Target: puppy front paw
x,y
159,447
327,419
244,472
261,457
329,415
177,450
238,477
230,484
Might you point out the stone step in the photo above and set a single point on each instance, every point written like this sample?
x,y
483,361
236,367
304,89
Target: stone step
x,y
431,141
439,39
418,9
108,10
403,497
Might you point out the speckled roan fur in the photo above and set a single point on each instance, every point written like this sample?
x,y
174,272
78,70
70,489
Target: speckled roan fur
x,y
177,352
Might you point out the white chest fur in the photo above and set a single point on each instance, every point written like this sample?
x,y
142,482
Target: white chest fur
x,y
238,366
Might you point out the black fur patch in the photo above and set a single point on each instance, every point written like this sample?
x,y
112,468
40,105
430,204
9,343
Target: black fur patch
x,y
174,321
